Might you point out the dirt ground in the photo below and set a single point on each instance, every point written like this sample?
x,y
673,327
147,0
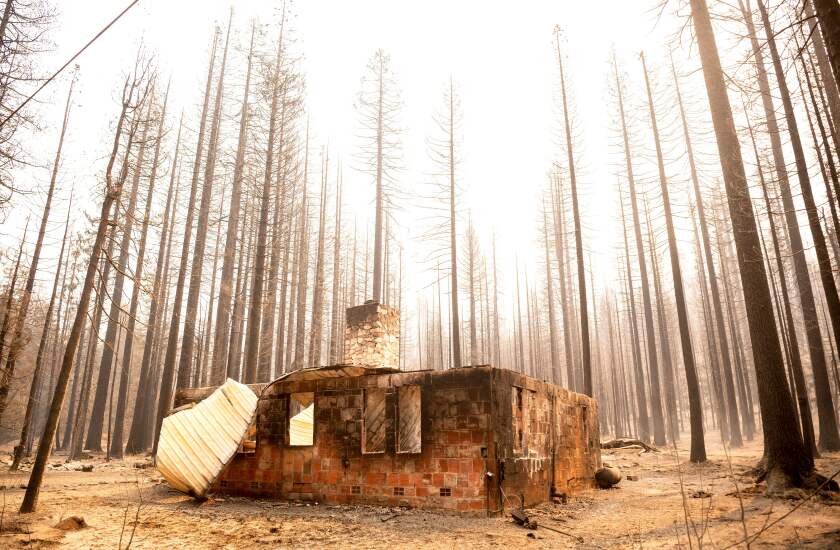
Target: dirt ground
x,y
124,504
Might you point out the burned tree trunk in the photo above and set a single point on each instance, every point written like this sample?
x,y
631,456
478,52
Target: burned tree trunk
x,y
641,394
35,387
139,434
653,364
116,447
698,445
664,336
197,269
8,371
801,391
828,14
787,458
581,271
316,331
829,439
559,229
829,83
335,323
552,325
252,340
221,339
109,349
113,190
722,340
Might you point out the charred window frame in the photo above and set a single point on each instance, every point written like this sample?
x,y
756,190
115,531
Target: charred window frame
x,y
373,421
409,420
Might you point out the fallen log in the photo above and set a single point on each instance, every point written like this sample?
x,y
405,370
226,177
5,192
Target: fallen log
x,y
624,443
521,518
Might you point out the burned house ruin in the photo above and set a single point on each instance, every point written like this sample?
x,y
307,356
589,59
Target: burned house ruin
x,y
472,440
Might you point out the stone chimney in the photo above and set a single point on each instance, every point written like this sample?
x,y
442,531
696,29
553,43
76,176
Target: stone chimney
x,y
372,336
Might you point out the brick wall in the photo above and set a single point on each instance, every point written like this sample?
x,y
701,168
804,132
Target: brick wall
x,y
447,474
467,430
560,447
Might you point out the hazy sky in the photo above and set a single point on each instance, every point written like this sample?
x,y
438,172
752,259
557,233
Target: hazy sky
x,y
501,55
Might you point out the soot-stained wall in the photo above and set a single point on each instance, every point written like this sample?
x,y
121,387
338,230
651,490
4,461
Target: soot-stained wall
x,y
479,428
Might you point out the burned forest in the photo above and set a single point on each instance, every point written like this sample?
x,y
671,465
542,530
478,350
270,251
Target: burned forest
x,y
361,274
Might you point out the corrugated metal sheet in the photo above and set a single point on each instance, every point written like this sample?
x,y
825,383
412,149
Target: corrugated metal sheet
x,y
196,444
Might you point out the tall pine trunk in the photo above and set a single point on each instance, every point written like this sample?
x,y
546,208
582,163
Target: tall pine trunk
x,y
698,445
653,365
315,334
35,387
335,323
581,271
787,459
829,439
641,395
221,338
828,14
113,190
252,340
722,340
110,346
8,372
116,447
197,268
139,434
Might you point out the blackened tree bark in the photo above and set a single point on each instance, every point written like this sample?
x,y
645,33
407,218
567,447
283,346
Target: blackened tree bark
x,y
653,364
664,336
109,350
698,445
829,439
829,83
140,433
794,357
787,460
35,387
335,323
581,271
559,230
116,446
315,333
643,425
735,434
554,355
828,14
9,313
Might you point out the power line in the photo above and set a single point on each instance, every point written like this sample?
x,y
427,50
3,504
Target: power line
x,y
77,54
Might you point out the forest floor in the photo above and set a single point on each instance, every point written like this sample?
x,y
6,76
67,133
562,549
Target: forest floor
x,y
122,503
